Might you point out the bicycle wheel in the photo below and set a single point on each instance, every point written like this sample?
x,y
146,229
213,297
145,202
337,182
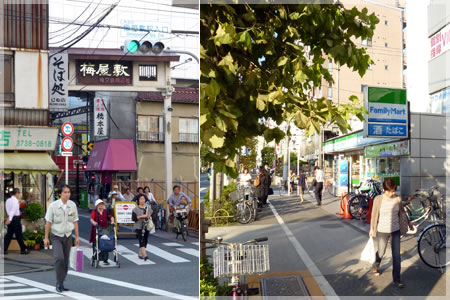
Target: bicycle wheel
x,y
353,207
432,246
242,212
183,231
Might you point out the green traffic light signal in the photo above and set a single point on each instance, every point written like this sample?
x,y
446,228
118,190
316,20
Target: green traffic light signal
x,y
132,46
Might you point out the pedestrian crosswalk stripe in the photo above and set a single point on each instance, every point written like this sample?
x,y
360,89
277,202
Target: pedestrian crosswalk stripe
x,y
3,280
131,256
173,244
195,243
36,296
164,254
87,252
190,251
46,287
19,291
5,285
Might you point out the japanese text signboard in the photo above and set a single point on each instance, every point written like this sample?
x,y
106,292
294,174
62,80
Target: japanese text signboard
x,y
58,70
439,43
123,212
388,112
28,138
104,72
100,117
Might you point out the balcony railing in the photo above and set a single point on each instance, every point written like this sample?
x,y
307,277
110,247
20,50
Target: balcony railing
x,y
188,138
150,136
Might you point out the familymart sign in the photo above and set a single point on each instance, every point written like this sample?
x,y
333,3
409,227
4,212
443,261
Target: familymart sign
x,y
388,112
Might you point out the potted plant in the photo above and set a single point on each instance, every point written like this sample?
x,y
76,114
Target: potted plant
x,y
30,244
33,212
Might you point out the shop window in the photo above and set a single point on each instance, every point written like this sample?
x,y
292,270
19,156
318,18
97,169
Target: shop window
x,y
7,81
150,128
32,189
188,130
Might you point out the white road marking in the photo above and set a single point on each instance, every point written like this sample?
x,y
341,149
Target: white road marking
x,y
3,280
132,286
164,254
190,251
196,243
6,285
48,288
173,244
37,296
87,252
131,256
325,286
19,291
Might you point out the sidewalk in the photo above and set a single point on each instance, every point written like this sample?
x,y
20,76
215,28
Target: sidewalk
x,y
16,263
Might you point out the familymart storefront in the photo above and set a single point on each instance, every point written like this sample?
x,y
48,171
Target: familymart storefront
x,y
356,158
25,162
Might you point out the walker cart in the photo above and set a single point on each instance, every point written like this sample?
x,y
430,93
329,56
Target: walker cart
x,y
105,245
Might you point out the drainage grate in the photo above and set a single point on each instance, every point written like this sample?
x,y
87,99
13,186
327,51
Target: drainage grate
x,y
291,285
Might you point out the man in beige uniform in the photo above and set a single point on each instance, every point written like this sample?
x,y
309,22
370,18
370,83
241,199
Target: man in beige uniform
x,y
62,219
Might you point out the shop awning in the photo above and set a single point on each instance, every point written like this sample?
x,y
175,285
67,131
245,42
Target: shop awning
x,y
28,163
112,155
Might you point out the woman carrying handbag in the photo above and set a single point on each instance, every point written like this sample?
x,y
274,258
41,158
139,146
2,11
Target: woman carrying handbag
x,y
389,221
141,217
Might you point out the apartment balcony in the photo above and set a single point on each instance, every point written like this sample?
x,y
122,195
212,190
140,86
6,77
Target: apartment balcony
x,y
190,138
149,136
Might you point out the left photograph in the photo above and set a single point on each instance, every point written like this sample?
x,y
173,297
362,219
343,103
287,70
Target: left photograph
x,y
99,149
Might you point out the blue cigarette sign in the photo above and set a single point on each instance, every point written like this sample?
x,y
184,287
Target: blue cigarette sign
x,y
388,112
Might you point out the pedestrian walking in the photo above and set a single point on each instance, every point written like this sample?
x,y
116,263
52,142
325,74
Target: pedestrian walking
x,y
245,178
292,177
262,186
12,208
302,185
141,214
100,218
61,219
318,185
155,206
385,225
116,191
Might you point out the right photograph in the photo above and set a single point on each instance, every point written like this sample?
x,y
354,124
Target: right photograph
x,y
323,149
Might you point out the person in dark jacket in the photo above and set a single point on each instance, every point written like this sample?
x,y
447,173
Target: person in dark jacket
x,y
262,190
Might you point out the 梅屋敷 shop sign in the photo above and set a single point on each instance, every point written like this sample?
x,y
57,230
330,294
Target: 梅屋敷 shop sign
x,y
439,43
104,72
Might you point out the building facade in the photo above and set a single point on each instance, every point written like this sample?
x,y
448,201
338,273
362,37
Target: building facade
x,y
26,139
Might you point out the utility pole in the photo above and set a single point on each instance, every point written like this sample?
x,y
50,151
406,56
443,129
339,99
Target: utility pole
x,y
321,149
212,188
167,94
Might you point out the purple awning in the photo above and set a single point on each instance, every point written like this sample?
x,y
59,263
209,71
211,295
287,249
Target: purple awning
x,y
112,155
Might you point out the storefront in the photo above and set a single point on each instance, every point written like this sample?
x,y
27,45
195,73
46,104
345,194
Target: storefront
x,y
111,160
348,159
384,160
26,162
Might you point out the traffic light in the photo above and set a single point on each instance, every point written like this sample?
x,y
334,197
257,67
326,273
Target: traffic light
x,y
145,47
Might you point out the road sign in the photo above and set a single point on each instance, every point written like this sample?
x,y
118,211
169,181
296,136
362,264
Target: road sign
x,y
66,153
67,128
67,144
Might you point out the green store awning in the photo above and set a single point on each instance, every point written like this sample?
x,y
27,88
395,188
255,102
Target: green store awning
x,y
28,163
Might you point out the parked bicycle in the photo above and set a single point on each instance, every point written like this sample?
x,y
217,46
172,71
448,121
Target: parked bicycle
x,y
236,260
432,246
359,203
242,207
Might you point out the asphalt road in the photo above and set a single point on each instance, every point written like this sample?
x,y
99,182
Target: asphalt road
x,y
172,271
305,236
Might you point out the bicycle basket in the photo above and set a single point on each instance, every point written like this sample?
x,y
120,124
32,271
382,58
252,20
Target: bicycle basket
x,y
236,196
236,260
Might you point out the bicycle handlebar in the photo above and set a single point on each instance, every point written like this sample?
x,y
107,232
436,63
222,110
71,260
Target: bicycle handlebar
x,y
219,241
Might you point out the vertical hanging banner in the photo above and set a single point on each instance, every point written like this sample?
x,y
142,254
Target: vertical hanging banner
x,y
100,118
58,80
